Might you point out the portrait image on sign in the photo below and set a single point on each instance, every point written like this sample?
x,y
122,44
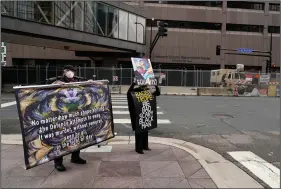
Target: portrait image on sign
x,y
143,71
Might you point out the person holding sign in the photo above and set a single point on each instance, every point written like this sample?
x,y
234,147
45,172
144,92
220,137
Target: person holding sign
x,y
68,76
143,112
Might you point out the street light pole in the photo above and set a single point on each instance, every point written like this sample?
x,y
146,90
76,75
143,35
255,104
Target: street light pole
x,y
152,20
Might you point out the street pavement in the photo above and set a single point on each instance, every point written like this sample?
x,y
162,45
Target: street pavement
x,y
250,125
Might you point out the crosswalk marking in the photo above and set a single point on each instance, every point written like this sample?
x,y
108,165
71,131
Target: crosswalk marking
x,y
128,121
127,112
120,107
120,100
261,168
121,103
124,107
8,104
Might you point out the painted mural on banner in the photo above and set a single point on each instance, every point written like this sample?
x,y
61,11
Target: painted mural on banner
x,y
143,71
145,108
59,119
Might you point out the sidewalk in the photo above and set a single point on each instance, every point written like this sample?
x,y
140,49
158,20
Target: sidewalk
x,y
117,165
163,167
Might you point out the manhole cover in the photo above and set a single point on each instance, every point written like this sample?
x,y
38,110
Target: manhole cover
x,y
223,115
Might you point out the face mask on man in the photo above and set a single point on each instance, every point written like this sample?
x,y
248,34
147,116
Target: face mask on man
x,y
69,74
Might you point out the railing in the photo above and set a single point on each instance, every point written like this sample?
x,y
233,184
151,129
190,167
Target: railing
x,y
88,16
26,75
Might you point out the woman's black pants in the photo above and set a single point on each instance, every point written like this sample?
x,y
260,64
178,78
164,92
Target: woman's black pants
x,y
141,140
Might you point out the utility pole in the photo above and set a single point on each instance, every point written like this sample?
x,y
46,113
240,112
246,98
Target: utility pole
x,y
162,32
152,21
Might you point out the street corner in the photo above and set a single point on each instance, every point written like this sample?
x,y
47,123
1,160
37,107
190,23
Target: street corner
x,y
118,166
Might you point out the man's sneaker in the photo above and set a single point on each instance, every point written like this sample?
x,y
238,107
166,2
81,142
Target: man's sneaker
x,y
148,149
60,167
139,151
78,161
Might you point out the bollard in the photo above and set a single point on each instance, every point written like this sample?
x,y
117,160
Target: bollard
x,y
235,93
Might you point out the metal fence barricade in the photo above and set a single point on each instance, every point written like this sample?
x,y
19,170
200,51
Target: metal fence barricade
x,y
259,83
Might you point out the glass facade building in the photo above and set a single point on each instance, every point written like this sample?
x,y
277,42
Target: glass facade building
x,y
94,17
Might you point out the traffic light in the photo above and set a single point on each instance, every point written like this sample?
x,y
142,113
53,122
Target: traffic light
x,y
218,50
268,66
273,65
162,28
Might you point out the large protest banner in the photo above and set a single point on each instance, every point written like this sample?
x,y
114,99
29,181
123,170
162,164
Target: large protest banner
x,y
59,119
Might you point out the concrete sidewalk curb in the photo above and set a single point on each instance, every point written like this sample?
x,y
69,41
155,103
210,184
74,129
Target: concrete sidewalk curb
x,y
223,172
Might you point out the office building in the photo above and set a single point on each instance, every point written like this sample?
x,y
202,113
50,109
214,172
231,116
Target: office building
x,y
195,29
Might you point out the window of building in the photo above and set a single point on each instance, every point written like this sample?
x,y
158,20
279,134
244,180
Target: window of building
x,y
274,7
244,28
102,10
187,24
245,5
112,22
273,29
192,3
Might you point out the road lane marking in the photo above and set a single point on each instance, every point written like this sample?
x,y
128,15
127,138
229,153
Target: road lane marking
x,y
8,104
106,148
114,97
119,100
119,96
128,121
259,167
121,103
124,107
127,112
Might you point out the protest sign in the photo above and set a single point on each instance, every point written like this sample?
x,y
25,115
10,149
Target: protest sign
x,y
144,107
59,119
143,71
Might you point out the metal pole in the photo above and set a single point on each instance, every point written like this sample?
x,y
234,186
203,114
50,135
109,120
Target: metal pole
x,y
181,77
152,21
39,73
46,70
121,76
194,76
270,58
131,76
26,74
17,75
197,78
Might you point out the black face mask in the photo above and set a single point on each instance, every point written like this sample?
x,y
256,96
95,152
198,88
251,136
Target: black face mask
x,y
144,87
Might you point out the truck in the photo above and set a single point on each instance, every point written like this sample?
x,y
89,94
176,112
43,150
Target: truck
x,y
230,78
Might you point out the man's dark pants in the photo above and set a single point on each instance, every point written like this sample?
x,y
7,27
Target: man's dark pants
x,y
74,156
141,140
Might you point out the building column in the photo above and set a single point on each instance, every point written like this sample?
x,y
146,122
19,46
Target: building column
x,y
266,37
223,33
93,63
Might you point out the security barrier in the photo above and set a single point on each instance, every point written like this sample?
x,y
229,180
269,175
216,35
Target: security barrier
x,y
115,89
214,91
190,91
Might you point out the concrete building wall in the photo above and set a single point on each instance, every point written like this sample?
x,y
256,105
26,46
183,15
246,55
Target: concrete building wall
x,y
32,52
202,43
190,46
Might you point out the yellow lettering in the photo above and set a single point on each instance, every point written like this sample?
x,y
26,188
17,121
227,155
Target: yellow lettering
x,y
144,96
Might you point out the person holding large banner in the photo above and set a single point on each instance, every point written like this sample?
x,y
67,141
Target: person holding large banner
x,y
69,76
142,103
59,119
